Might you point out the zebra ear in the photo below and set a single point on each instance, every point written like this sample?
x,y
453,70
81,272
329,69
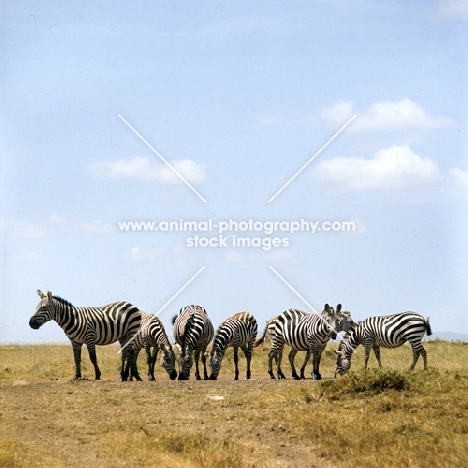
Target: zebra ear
x,y
338,307
49,295
40,294
327,307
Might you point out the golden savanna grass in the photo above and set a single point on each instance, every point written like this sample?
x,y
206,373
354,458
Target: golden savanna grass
x,y
387,418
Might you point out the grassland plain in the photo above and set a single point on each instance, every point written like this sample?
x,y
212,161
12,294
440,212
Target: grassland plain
x,y
388,418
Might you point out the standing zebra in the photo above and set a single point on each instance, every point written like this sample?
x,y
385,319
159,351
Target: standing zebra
x,y
303,332
388,331
193,331
344,323
104,325
240,330
153,334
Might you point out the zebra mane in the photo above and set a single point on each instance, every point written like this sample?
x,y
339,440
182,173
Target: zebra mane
x,y
62,301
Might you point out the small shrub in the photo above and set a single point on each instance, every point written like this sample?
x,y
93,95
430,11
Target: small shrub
x,y
366,382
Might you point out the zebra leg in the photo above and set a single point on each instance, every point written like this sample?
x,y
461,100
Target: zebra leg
x,y
92,356
152,361
367,350
306,360
130,365
423,353
77,356
205,372
416,353
279,357
197,371
377,355
248,358
292,355
316,356
271,354
130,358
236,363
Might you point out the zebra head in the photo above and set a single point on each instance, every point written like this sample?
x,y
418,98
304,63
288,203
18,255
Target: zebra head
x,y
344,353
185,363
344,322
329,315
45,310
214,363
343,363
168,360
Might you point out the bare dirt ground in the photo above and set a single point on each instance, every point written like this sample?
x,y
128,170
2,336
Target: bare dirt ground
x,y
106,423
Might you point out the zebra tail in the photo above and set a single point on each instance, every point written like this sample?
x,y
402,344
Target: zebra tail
x,y
259,341
428,327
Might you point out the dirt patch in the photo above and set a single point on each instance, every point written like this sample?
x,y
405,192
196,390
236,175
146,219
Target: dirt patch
x,y
88,423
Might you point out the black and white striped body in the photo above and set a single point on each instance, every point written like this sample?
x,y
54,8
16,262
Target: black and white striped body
x,y
193,331
153,335
302,332
92,326
344,322
238,331
389,331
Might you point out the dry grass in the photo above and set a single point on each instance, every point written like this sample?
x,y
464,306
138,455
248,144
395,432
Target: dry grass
x,y
365,419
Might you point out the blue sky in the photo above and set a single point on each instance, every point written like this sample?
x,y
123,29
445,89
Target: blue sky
x,y
237,96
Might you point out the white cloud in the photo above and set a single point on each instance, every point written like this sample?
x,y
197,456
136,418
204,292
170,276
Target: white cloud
x,y
460,177
452,9
384,115
21,228
393,168
146,169
56,219
97,227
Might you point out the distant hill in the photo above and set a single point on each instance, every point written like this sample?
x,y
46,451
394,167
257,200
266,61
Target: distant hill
x,y
445,335
448,336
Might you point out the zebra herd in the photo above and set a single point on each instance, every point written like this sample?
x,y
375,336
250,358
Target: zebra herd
x,y
193,332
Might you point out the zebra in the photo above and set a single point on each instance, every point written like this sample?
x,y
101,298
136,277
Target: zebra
x,y
303,332
91,326
193,331
345,323
153,335
238,331
388,331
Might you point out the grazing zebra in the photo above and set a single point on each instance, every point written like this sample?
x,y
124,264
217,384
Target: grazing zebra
x,y
92,326
238,331
344,323
388,331
153,335
193,331
303,332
